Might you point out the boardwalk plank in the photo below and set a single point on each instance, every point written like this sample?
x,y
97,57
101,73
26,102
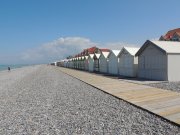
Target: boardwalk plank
x,y
161,102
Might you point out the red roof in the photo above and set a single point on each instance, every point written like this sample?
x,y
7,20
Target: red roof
x,y
104,50
178,33
91,50
170,33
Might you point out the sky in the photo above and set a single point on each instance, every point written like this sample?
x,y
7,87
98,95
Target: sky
x,y
42,31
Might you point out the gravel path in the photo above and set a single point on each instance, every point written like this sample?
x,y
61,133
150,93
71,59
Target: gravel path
x,y
174,86
47,101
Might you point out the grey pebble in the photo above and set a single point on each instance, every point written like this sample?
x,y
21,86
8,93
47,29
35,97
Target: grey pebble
x,y
45,101
173,86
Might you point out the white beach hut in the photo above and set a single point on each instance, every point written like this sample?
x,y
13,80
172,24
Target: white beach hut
x,y
58,63
159,60
54,63
91,62
82,62
70,63
78,62
86,63
128,63
103,62
96,62
74,62
113,62
65,63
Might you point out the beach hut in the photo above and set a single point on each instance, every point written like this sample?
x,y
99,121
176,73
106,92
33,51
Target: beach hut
x,y
73,62
128,63
103,62
53,64
64,63
78,62
176,36
159,60
58,63
96,62
86,63
113,62
82,62
91,62
70,63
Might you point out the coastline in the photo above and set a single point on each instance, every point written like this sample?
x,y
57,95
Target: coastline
x,y
13,67
16,74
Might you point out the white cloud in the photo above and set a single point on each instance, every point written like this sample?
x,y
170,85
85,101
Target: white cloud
x,y
63,47
57,49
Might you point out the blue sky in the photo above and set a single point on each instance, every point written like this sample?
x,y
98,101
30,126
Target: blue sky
x,y
40,31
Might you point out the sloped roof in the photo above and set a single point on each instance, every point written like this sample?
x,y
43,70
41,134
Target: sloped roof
x,y
97,55
166,46
170,33
86,57
177,33
169,47
104,50
105,54
91,56
82,57
92,49
131,50
116,52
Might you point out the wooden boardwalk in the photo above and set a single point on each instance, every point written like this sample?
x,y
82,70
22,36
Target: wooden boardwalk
x,y
164,103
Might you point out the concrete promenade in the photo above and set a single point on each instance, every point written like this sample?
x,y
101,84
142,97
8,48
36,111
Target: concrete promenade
x,y
164,103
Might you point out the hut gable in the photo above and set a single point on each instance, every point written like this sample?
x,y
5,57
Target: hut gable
x,y
164,46
130,50
91,56
105,54
103,66
97,55
113,62
114,52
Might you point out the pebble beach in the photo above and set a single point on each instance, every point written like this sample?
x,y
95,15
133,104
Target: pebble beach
x,y
173,86
40,100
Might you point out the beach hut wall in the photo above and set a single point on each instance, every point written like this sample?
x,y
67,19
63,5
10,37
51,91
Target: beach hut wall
x,y
128,63
103,62
159,60
113,62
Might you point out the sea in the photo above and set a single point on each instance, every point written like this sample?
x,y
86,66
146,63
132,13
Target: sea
x,y
5,67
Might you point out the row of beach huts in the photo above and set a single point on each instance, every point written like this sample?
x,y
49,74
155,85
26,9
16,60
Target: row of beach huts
x,y
155,60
